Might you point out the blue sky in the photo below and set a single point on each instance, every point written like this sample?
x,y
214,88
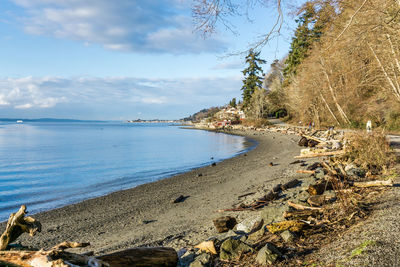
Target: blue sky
x,y
124,59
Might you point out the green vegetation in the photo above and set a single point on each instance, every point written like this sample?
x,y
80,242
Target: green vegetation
x,y
253,76
361,248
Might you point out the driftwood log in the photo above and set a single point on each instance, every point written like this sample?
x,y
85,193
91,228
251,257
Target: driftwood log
x,y
143,257
55,257
374,183
323,154
300,214
17,225
302,207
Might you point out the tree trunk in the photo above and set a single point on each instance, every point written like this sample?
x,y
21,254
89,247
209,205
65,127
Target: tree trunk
x,y
143,257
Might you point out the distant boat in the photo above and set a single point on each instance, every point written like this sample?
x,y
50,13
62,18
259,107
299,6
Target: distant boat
x,y
20,121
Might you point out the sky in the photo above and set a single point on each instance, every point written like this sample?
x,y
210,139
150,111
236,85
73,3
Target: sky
x,y
123,59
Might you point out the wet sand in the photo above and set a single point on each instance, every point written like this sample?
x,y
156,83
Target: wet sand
x,y
146,216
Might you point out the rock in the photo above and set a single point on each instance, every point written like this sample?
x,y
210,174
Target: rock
x,y
313,166
224,224
254,237
232,249
273,213
287,236
290,184
247,224
277,188
186,259
179,199
303,141
302,196
224,236
257,226
203,260
214,164
353,171
199,175
268,254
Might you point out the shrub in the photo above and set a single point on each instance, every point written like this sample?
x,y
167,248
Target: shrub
x,y
370,151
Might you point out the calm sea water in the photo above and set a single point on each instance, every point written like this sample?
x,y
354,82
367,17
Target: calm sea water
x,y
48,165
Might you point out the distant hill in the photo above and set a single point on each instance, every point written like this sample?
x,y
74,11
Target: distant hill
x,y
202,114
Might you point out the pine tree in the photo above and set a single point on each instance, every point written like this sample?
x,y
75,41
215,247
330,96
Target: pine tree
x,y
311,24
253,76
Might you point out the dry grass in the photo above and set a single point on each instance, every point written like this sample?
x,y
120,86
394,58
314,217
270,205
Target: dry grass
x,y
370,151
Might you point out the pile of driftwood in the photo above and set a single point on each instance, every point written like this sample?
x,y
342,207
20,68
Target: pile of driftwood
x,y
337,199
18,224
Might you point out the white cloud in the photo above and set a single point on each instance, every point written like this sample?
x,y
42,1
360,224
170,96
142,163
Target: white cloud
x,y
115,96
155,26
24,106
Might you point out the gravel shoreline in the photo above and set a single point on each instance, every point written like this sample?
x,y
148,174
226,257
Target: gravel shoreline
x,y
146,216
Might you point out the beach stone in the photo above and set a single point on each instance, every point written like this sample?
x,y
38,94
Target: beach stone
x,y
186,259
319,174
203,260
287,236
224,224
302,196
273,213
233,248
268,254
247,224
354,171
254,237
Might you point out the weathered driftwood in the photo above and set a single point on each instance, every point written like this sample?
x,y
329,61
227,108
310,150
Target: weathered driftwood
x,y
322,154
374,183
329,168
302,207
300,214
313,138
143,257
305,171
224,224
55,257
17,225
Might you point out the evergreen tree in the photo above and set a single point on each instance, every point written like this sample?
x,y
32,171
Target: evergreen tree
x,y
310,28
253,76
233,102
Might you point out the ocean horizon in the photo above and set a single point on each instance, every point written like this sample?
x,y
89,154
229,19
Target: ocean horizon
x,y
46,165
